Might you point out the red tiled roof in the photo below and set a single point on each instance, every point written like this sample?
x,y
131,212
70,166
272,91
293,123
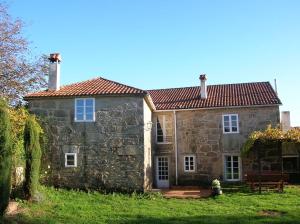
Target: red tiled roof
x,y
229,95
97,86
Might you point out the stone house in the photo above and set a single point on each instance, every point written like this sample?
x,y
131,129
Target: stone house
x,y
103,134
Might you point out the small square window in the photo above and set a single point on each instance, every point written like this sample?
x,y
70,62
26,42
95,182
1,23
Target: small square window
x,y
189,162
70,159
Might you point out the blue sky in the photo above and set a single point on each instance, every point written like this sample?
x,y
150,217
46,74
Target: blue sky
x,y
159,44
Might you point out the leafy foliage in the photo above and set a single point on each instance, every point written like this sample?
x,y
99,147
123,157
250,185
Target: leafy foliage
x,y
19,73
33,156
18,117
293,135
5,156
271,135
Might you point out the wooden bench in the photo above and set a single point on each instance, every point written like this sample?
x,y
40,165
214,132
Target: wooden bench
x,y
269,180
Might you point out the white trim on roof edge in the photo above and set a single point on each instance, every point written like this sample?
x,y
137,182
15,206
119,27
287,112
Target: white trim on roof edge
x,y
149,101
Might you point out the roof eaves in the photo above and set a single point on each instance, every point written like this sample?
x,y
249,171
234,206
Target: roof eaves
x,y
82,95
215,108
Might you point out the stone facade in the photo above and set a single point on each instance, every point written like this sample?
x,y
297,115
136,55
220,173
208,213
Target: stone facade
x,y
114,152
117,150
200,133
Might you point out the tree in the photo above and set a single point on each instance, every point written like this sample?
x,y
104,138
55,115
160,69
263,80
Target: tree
x,y
20,73
33,156
5,157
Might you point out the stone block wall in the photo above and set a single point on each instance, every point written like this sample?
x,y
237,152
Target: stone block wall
x,y
110,150
200,133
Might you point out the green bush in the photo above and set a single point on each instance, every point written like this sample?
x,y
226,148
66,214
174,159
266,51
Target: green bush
x,y
33,156
5,157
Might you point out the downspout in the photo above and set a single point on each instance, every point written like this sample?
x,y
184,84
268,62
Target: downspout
x,y
176,148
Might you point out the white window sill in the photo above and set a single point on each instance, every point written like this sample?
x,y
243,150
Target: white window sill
x,y
86,121
164,143
189,171
233,180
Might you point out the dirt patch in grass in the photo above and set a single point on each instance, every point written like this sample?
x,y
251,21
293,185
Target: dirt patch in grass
x,y
13,208
271,213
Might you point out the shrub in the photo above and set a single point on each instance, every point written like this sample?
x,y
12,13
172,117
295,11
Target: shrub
x,y
5,157
33,153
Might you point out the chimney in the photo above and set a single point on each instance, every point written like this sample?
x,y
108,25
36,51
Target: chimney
x,y
285,120
54,72
203,93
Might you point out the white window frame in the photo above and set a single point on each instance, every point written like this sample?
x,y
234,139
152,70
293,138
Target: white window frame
x,y
84,108
230,124
189,161
75,159
225,166
163,127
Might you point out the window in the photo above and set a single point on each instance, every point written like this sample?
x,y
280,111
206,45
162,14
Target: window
x,y
189,163
85,109
230,123
163,129
232,168
70,159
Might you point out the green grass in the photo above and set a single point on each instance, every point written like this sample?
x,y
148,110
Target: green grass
x,y
62,206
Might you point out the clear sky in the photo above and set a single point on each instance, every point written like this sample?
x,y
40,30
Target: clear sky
x,y
167,43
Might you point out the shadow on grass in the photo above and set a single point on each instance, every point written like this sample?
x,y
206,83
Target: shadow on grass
x,y
20,219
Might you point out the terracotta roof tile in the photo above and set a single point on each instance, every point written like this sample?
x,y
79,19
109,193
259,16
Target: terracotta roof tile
x,y
229,95
97,86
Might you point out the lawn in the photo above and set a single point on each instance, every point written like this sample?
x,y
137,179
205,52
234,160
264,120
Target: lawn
x,y
63,206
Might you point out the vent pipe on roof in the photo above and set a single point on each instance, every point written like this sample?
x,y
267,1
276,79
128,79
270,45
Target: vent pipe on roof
x,y
203,92
54,72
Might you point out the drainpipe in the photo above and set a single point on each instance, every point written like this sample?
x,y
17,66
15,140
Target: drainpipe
x,y
176,148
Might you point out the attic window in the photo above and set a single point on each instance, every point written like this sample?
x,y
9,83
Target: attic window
x,y
84,109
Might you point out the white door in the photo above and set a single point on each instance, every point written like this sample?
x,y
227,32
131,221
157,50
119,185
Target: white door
x,y
162,172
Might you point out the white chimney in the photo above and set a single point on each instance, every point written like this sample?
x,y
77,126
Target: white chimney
x,y
285,120
203,92
54,72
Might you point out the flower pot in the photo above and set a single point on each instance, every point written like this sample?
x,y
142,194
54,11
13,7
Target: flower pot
x,y
216,191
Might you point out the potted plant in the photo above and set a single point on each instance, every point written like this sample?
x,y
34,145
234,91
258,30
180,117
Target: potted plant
x,y
216,187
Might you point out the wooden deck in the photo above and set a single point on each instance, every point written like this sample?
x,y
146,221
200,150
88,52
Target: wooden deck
x,y
186,192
